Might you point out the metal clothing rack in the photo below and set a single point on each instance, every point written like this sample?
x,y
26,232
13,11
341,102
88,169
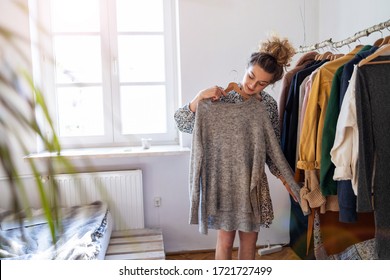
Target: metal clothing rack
x,y
349,40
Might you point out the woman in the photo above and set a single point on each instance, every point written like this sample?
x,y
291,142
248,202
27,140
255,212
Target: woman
x,y
265,67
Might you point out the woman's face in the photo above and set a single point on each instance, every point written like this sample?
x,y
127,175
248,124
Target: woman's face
x,y
255,79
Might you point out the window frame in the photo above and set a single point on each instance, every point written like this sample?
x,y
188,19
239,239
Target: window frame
x,y
44,75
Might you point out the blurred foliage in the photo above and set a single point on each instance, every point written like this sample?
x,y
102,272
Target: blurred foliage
x,y
22,104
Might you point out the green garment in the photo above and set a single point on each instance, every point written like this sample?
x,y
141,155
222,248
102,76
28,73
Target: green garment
x,y
328,185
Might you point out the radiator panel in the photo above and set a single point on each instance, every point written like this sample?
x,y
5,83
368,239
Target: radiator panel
x,y
122,190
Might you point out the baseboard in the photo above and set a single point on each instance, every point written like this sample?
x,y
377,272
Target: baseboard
x,y
206,250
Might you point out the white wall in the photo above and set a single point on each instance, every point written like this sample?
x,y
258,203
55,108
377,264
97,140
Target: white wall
x,y
341,19
216,38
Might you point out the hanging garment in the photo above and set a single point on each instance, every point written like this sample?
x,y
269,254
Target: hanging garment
x,y
372,111
308,85
312,121
312,128
302,94
228,156
290,120
302,62
344,153
329,186
289,138
298,221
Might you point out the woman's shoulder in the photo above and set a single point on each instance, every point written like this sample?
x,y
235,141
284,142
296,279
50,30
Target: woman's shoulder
x,y
268,98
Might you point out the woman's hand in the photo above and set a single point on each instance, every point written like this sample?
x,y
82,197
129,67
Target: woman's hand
x,y
289,189
213,93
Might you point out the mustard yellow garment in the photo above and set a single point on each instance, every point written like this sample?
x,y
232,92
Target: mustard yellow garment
x,y
313,123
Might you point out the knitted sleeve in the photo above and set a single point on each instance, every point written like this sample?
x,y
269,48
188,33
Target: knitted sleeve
x,y
195,172
366,149
274,152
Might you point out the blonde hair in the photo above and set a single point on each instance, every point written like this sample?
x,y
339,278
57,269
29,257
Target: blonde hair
x,y
273,55
280,49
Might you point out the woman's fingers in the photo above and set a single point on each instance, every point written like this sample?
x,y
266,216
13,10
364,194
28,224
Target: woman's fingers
x,y
217,92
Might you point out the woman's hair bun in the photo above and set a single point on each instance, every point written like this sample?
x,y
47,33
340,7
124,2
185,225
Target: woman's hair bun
x,y
279,48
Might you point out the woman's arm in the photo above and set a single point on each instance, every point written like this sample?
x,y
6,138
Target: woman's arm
x,y
272,109
185,116
214,93
185,119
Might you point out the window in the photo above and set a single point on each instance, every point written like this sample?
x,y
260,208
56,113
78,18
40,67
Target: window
x,y
113,72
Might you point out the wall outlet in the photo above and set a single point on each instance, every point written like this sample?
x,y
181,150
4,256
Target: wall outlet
x,y
157,201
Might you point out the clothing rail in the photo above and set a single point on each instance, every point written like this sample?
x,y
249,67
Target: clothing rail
x,y
356,36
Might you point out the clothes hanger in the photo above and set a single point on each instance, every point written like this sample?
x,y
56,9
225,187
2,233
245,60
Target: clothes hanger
x,y
234,86
385,41
378,42
324,55
329,56
336,56
382,51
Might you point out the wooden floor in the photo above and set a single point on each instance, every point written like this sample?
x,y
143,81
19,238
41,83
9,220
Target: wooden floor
x,y
136,244
147,244
286,254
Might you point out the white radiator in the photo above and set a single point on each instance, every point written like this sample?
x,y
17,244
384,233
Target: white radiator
x,y
122,190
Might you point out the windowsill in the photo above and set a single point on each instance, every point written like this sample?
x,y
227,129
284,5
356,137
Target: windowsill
x,y
113,152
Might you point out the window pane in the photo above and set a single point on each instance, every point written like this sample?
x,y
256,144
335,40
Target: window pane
x,y
78,59
143,109
75,15
80,111
140,15
141,58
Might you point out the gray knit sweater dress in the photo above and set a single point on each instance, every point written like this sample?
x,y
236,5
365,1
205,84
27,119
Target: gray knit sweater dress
x,y
231,142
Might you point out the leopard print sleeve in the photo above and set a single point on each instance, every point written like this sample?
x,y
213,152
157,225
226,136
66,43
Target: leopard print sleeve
x,y
185,119
272,109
